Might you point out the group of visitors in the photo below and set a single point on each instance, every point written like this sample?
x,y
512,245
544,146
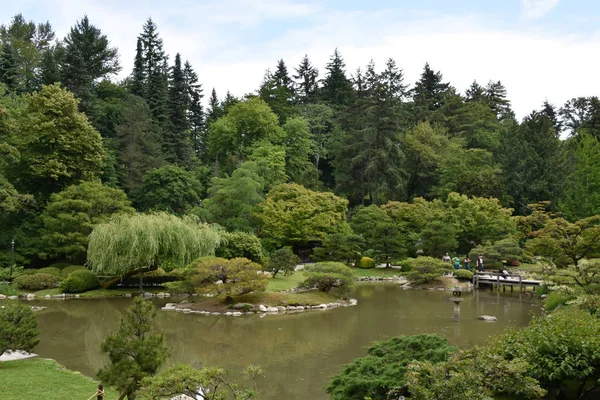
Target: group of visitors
x,y
467,262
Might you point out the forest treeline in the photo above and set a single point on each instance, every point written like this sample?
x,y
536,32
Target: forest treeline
x,y
287,163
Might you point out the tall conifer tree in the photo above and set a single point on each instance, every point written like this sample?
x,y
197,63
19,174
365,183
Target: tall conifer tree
x,y
176,144
306,81
337,88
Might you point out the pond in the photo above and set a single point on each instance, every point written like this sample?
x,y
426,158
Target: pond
x,y
298,352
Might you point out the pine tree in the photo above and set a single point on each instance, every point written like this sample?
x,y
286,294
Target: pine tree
x,y
156,73
49,69
195,111
475,92
337,88
495,97
175,143
138,76
229,101
215,109
551,112
8,67
278,92
88,58
306,81
430,90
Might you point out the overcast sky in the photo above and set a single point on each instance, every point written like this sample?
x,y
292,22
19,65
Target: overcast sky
x,y
540,49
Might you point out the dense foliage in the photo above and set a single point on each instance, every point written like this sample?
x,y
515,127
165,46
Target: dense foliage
x,y
328,275
18,328
215,275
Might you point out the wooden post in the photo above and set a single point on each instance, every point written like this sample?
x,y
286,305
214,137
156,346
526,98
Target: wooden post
x,y
520,283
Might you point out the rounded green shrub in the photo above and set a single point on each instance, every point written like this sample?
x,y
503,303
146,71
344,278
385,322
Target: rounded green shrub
x,y
80,281
366,263
179,287
37,281
557,298
27,272
60,265
463,274
72,268
49,270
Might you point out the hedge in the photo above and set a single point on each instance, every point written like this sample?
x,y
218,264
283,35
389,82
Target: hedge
x,y
80,281
37,281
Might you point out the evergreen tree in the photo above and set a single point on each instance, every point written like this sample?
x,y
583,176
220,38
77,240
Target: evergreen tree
x,y
337,88
50,71
215,109
8,67
278,92
195,111
475,92
533,162
229,101
175,142
429,91
550,111
138,75
495,97
155,72
306,81
582,113
88,57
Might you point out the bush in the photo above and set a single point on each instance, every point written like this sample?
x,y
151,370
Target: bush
x,y
5,273
328,275
60,265
381,373
283,260
426,269
37,281
8,289
18,328
556,299
241,244
463,274
72,268
179,287
215,275
49,270
80,281
28,272
366,263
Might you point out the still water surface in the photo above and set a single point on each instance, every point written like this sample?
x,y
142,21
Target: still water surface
x,y
298,352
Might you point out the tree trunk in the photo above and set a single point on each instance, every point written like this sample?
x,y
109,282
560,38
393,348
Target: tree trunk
x,y
114,281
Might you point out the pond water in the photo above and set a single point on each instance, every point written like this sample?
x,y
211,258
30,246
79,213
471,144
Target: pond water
x,y
298,352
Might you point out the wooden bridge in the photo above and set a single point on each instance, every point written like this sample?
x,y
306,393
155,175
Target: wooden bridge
x,y
498,278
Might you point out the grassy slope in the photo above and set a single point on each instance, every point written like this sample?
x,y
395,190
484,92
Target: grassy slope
x,y
38,378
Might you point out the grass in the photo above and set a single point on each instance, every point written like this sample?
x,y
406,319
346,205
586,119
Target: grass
x,y
285,282
384,272
38,378
114,292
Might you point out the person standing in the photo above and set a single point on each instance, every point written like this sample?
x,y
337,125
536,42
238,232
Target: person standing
x,y
480,263
467,262
456,262
446,258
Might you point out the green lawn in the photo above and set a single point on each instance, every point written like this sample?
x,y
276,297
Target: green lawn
x,y
385,272
283,282
38,378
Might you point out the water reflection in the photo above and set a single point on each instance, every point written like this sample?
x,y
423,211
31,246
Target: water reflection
x,y
298,352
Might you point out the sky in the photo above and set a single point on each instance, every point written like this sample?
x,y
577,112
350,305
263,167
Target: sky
x,y
539,49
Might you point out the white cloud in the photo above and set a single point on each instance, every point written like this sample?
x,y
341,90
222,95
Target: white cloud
x,y
533,9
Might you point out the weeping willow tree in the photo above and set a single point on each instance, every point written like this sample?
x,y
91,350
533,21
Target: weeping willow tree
x,y
134,244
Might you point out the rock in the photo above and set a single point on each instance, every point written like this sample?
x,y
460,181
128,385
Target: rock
x,y
13,297
543,297
148,294
228,313
243,306
487,318
299,307
77,296
35,308
322,305
183,302
127,294
160,294
2,296
280,308
352,302
272,309
262,308
169,294
314,307
236,313
215,313
291,308
47,296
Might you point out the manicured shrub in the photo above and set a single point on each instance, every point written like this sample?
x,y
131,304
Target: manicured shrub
x,y
179,287
366,263
80,281
37,281
328,275
426,269
463,274
72,268
27,272
50,271
60,265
